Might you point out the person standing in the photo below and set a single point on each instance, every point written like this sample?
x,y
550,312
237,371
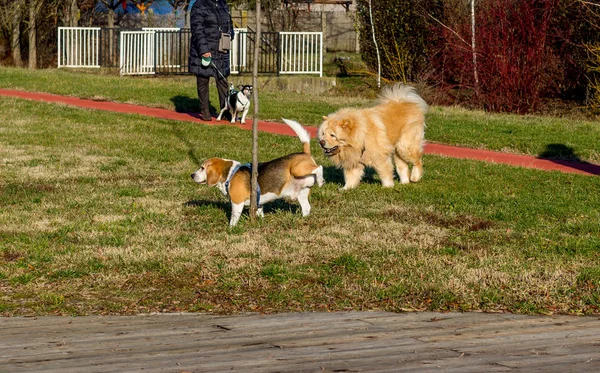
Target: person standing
x,y
212,33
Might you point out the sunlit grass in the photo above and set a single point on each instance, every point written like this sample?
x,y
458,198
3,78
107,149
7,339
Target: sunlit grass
x,y
99,215
549,137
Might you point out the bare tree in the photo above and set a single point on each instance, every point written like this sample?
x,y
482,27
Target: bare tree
x,y
34,10
11,15
376,46
475,75
111,6
184,5
15,41
73,10
254,181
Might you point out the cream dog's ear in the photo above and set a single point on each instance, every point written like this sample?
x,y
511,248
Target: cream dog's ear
x,y
346,124
324,117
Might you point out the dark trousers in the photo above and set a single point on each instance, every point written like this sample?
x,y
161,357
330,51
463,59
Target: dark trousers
x,y
203,96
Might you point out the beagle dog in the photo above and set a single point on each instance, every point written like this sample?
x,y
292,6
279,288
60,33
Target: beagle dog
x,y
237,102
290,176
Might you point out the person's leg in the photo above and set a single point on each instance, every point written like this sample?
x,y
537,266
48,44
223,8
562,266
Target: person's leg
x,y
203,97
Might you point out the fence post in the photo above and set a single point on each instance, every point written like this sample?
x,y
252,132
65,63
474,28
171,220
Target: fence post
x,y
278,51
321,56
100,40
59,46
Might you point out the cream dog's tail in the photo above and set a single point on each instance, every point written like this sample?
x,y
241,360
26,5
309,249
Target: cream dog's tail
x,y
402,93
302,134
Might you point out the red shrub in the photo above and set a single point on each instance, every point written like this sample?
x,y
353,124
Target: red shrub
x,y
516,64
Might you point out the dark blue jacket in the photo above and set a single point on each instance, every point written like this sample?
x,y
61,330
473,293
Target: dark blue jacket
x,y
208,19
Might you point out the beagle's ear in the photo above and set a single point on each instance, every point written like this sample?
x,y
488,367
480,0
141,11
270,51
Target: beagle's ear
x,y
217,171
212,176
226,167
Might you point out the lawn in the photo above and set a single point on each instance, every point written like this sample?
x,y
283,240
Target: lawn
x,y
99,215
550,137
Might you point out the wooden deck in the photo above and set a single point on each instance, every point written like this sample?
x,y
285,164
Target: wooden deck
x,y
301,342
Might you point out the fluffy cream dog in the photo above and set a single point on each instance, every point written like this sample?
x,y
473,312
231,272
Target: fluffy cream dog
x,y
290,176
394,128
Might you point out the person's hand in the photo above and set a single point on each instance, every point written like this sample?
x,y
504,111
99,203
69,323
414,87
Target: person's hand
x,y
207,54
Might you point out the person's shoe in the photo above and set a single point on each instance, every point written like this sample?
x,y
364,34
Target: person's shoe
x,y
206,116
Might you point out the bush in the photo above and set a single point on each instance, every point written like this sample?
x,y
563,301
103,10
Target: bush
x,y
575,26
406,36
516,64
594,70
527,50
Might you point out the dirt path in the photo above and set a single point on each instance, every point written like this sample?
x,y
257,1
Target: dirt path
x,y
282,129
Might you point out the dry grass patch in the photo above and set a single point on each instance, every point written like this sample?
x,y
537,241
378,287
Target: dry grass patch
x,y
100,216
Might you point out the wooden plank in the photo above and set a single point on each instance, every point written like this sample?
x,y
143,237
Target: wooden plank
x,y
371,341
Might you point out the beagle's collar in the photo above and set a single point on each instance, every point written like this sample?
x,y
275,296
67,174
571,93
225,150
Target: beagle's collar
x,y
224,187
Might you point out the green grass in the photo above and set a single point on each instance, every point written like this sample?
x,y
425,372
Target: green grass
x,y
550,137
99,215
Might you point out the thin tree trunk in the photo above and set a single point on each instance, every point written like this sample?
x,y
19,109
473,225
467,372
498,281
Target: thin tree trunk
x,y
187,17
73,13
475,75
376,46
110,33
254,189
15,41
33,11
111,18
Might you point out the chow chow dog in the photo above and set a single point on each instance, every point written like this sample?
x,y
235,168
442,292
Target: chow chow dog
x,y
290,176
392,129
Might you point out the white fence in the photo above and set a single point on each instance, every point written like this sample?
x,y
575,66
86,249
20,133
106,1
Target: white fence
x,y
301,53
137,53
143,52
166,46
239,50
79,47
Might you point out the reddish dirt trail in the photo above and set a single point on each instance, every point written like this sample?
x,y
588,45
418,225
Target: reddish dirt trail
x,y
282,129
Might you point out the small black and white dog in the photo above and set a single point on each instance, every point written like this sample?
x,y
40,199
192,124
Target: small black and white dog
x,y
238,102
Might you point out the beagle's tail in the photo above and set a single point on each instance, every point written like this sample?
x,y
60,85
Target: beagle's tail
x,y
302,134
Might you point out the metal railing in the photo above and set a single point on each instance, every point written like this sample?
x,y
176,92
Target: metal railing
x,y
137,53
79,47
166,50
239,50
167,44
301,53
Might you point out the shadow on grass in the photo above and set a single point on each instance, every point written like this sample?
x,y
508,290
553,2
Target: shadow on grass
x,y
223,205
279,205
185,104
565,156
191,106
334,175
190,148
